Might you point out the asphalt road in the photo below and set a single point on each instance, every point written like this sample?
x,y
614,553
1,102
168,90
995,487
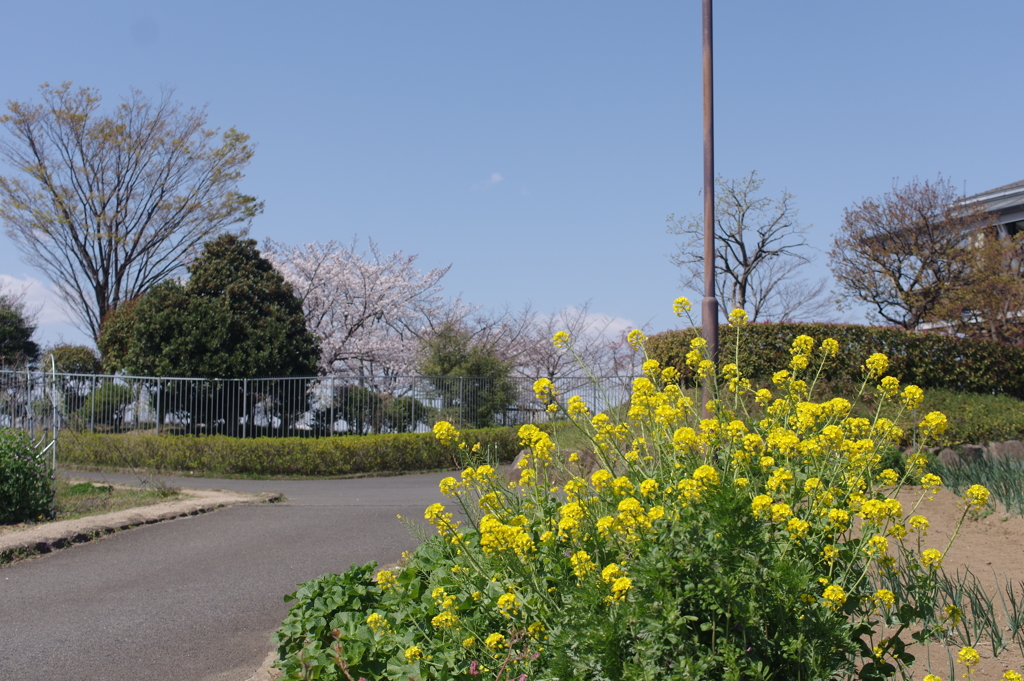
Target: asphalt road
x,y
196,598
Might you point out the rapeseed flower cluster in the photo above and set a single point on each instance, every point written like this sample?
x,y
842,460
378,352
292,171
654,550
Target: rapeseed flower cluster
x,y
775,501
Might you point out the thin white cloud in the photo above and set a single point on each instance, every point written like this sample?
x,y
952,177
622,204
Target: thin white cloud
x,y
39,300
494,179
53,326
605,325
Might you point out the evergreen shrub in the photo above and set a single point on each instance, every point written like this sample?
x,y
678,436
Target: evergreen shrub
x,y
26,481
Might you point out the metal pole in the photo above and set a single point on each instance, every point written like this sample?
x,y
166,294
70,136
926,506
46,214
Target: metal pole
x,y
709,305
245,407
159,414
461,405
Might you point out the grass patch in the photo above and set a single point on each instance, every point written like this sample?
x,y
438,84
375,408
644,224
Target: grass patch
x,y
82,499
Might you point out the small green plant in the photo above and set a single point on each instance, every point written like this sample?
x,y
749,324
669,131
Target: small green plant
x,y
26,480
718,544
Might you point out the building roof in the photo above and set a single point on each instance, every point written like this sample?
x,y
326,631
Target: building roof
x,y
1003,201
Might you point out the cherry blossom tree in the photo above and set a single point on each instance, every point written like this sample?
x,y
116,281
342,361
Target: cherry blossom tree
x,y
369,310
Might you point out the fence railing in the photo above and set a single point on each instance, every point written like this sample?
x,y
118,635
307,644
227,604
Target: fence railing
x,y
279,407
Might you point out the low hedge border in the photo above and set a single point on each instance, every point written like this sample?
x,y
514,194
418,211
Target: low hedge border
x,y
286,456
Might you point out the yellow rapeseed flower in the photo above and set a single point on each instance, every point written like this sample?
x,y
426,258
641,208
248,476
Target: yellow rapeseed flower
x,y
797,528
834,596
760,504
931,559
560,339
445,620
582,564
544,389
830,347
931,482
413,653
912,397
889,387
377,623
968,656
446,433
977,496
636,339
876,365
886,598
611,572
619,588
781,512
681,305
919,523
386,580
449,486
706,476
495,641
802,345
934,423
507,604
738,317
648,487
876,546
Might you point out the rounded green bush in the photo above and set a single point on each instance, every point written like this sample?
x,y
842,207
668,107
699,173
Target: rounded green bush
x,y
26,481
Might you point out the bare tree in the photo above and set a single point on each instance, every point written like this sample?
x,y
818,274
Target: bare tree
x,y
111,204
594,340
760,253
906,252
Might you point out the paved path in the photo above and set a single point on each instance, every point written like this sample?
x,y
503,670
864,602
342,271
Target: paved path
x,y
195,598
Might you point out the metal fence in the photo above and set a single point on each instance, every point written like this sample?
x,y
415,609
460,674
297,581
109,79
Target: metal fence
x,y
280,407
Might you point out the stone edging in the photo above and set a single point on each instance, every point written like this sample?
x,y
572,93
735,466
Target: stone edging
x,y
1010,450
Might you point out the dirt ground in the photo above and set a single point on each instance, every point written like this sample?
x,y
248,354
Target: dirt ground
x,y
990,546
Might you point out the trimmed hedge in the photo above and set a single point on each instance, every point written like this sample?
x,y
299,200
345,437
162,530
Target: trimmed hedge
x,y
929,360
328,456
973,418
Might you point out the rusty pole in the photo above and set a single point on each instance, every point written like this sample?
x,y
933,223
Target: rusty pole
x,y
709,305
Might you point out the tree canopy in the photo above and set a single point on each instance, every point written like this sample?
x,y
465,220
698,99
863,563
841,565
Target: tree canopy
x,y
481,388
16,329
107,205
235,317
71,359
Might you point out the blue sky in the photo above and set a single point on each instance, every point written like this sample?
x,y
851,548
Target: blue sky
x,y
538,146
